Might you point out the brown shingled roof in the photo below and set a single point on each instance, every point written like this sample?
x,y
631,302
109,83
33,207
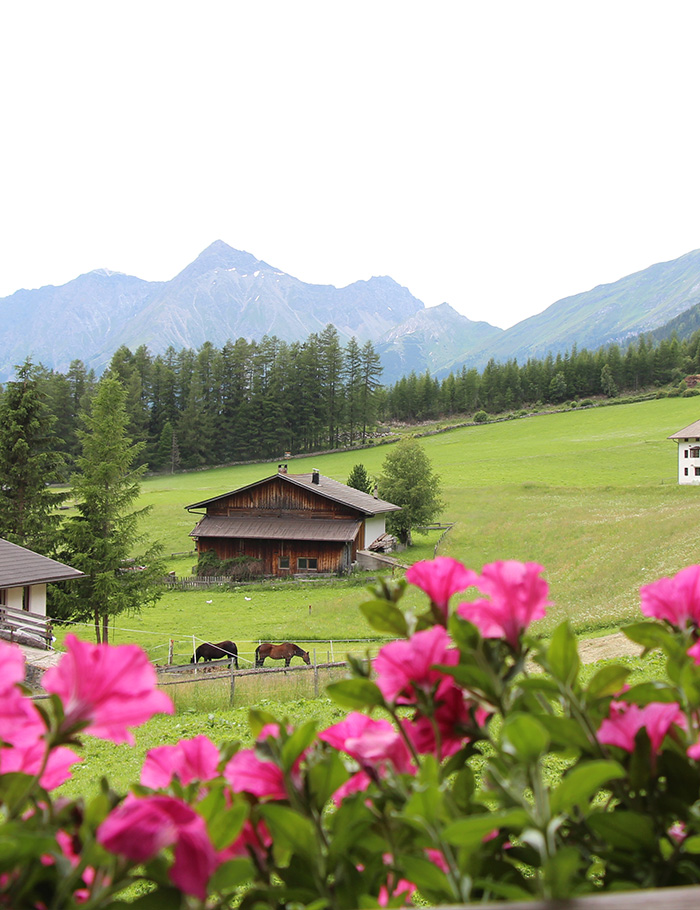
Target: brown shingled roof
x,y
277,528
687,432
326,487
19,566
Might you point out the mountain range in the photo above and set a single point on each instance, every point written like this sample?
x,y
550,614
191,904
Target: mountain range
x,y
226,294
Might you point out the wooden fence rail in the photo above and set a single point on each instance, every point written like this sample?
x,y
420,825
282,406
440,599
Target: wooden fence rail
x,y
26,627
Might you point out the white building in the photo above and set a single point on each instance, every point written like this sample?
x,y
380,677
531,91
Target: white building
x,y
688,440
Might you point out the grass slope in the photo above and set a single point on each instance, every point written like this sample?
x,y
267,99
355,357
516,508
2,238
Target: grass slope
x,y
591,494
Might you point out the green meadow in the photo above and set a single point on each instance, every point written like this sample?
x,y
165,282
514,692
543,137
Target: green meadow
x,y
590,494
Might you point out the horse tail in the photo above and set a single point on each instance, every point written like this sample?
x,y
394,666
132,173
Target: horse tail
x,y
257,656
234,651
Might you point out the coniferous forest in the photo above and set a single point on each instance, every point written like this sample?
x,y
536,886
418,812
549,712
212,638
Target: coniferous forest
x,y
257,400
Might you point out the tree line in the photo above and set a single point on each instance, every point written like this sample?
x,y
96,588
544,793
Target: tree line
x,y
245,401
550,380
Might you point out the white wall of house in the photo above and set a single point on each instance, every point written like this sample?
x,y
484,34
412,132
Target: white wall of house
x,y
689,460
374,528
15,598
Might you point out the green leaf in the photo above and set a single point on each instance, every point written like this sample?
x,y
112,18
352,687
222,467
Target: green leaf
x,y
18,846
230,875
325,777
562,654
582,783
648,692
524,737
464,634
163,896
385,617
649,635
470,831
471,677
290,829
692,844
607,681
257,719
426,875
565,732
624,830
355,693
300,740
560,872
426,805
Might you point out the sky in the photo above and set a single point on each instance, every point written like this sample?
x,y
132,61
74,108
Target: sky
x,y
497,156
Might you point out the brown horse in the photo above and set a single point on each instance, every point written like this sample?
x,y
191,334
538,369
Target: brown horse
x,y
283,652
208,651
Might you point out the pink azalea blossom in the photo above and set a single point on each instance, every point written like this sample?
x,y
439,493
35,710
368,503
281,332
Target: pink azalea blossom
x,y
372,743
518,596
141,827
676,599
625,721
677,832
29,758
11,666
248,774
358,783
190,759
403,666
694,652
111,687
253,839
452,718
440,578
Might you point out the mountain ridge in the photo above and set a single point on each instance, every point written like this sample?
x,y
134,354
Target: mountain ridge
x,y
226,293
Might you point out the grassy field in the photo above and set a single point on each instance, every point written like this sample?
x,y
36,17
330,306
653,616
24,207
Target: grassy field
x,y
591,494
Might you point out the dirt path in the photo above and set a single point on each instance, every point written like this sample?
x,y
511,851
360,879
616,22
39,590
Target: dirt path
x,y
606,647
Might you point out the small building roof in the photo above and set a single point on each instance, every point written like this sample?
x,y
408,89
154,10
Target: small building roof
x,y
326,487
687,432
19,566
325,529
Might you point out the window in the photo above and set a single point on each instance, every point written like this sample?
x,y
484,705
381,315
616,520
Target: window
x,y
686,471
695,452
697,472
305,562
284,562
3,597
25,598
685,453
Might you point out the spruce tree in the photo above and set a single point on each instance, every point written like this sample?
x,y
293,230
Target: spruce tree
x,y
359,479
29,461
102,539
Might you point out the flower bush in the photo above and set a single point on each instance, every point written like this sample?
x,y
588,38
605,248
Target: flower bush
x,y
476,762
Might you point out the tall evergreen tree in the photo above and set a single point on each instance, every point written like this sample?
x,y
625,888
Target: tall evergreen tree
x,y
359,479
29,460
103,538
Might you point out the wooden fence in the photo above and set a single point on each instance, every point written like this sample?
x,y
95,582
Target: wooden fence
x,y
24,627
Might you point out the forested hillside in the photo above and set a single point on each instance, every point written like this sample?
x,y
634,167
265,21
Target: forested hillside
x,y
257,400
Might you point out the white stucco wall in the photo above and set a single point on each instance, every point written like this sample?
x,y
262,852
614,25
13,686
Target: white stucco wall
x,y
689,461
37,598
374,528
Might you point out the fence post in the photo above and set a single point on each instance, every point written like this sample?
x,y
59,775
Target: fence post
x,y
194,654
315,676
170,652
233,685
332,658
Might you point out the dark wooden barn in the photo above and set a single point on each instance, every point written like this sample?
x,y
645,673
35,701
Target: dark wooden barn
x,y
292,523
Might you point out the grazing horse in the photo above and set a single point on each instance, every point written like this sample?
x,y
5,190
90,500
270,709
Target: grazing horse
x,y
283,652
208,651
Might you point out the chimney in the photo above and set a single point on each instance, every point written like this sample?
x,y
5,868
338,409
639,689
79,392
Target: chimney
x,y
281,468
376,491
315,476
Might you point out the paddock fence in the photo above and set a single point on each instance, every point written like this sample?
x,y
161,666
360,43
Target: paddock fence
x,y
210,686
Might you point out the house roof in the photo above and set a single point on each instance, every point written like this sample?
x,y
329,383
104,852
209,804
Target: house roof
x,y
326,487
19,566
325,529
692,430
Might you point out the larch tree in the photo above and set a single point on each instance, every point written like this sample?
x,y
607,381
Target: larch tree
x,y
29,461
408,480
102,539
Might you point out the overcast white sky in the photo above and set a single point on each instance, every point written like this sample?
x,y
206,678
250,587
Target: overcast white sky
x,y
494,155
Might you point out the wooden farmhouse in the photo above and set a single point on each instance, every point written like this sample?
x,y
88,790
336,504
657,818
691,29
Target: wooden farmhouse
x,y
688,440
293,523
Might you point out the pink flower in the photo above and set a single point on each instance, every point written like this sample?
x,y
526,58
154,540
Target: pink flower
x,y
625,721
11,666
518,596
694,652
440,578
372,743
28,759
358,783
677,832
248,774
141,827
253,839
403,666
452,718
676,600
190,759
110,688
